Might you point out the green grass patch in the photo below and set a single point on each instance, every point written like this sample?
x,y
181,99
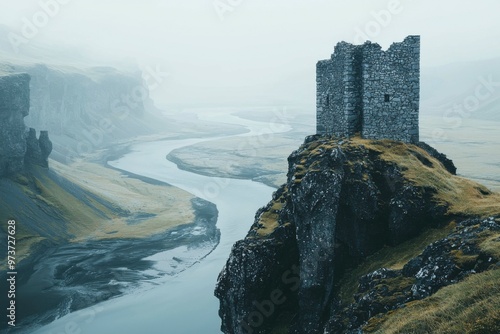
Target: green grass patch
x,y
389,257
489,243
462,196
462,260
471,306
269,219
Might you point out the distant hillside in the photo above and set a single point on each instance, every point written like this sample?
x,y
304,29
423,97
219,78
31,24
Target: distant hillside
x,y
87,109
470,89
50,207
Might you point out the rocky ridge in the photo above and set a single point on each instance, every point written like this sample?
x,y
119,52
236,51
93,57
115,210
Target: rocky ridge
x,y
308,263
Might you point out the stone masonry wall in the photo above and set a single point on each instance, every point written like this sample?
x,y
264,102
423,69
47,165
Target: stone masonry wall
x,y
338,95
391,91
363,89
329,98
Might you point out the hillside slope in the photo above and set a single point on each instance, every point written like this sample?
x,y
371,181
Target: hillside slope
x,y
360,229
53,207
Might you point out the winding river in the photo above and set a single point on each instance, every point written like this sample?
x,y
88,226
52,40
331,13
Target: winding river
x,y
181,304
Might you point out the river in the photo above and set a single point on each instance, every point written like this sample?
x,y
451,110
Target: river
x,y
184,303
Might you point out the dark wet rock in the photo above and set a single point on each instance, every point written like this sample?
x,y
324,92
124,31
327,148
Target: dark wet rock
x,y
450,260
267,282
33,151
342,202
45,146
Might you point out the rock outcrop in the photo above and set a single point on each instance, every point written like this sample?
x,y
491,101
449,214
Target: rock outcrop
x,y
38,149
344,201
18,146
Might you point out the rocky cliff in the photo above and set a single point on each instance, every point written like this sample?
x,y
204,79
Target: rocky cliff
x,y
17,145
85,109
360,229
14,106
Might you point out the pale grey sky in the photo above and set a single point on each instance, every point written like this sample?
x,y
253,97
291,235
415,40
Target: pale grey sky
x,y
213,48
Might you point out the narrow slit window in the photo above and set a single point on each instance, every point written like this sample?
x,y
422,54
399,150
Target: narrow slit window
x,y
328,100
387,98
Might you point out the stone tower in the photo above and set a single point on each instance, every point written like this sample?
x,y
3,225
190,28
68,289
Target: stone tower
x,y
364,89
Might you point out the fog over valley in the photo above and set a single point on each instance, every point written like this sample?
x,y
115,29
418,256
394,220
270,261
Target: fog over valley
x,y
236,166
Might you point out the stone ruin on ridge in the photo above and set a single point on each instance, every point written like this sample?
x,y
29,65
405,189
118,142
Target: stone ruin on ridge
x,y
364,89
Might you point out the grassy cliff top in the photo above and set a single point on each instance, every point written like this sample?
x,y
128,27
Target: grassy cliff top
x,y
463,196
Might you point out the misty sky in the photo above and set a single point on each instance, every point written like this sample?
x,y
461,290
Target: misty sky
x,y
213,48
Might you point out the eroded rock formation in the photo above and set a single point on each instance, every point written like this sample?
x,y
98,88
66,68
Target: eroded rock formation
x,y
38,149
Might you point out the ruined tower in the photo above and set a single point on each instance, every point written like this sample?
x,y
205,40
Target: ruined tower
x,y
364,89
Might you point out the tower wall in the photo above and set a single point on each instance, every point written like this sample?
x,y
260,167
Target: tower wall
x,y
391,91
338,94
367,90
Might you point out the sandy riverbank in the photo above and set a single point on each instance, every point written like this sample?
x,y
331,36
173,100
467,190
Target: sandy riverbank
x,y
150,207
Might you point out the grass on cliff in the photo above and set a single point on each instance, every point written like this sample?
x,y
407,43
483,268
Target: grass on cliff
x,y
463,196
389,257
470,306
269,219
460,195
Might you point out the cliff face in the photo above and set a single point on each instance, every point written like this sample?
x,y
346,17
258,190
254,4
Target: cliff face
x,y
14,106
344,202
65,97
17,146
87,109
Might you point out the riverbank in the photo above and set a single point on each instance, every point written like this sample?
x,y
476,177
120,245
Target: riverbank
x,y
150,207
256,158
259,155
103,256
